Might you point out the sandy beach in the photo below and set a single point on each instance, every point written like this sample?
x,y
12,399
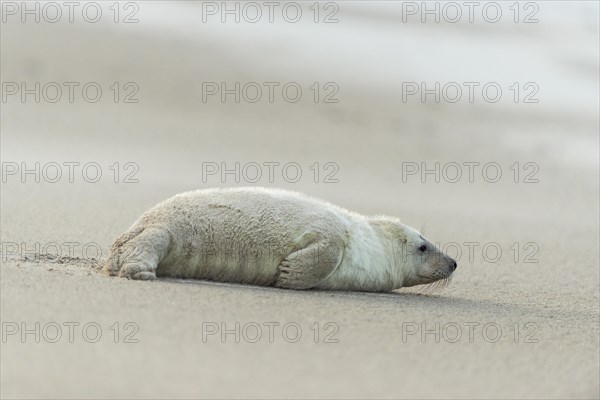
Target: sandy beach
x,y
521,316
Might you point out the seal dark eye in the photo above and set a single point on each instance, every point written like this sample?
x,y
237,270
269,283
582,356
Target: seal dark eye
x,y
422,248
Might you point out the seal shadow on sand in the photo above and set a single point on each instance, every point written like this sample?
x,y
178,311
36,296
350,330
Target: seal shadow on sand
x,y
429,301
438,303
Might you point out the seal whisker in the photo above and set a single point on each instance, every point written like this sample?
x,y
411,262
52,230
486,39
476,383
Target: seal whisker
x,y
436,286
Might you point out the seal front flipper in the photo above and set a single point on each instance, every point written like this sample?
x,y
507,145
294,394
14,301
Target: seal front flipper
x,y
138,257
307,267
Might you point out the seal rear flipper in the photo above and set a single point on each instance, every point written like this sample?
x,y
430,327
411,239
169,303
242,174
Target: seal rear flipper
x,y
113,264
138,257
307,267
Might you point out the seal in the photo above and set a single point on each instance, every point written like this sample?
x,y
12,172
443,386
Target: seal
x,y
272,237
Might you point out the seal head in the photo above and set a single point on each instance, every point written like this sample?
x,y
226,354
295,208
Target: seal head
x,y
425,263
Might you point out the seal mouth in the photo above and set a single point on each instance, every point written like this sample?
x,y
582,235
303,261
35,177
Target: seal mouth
x,y
432,279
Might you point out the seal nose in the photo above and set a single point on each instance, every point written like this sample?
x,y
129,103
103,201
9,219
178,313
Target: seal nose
x,y
453,265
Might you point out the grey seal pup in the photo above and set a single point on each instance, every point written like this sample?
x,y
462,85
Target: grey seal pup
x,y
272,237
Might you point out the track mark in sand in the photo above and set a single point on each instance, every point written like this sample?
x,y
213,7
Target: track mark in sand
x,y
37,258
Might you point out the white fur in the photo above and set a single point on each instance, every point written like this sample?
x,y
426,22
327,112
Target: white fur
x,y
274,238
